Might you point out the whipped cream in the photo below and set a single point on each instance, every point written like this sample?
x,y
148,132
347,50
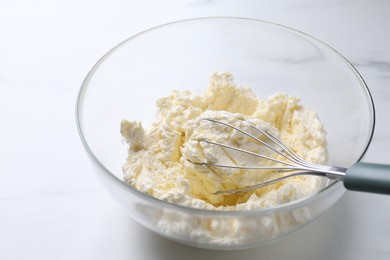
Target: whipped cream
x,y
160,161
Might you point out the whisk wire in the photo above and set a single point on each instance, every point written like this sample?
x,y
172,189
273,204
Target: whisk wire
x,y
246,133
293,156
266,183
285,152
296,164
246,151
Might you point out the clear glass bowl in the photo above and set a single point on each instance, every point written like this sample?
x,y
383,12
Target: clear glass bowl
x,y
125,83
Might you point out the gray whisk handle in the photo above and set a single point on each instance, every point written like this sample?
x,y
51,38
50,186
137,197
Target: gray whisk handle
x,y
368,177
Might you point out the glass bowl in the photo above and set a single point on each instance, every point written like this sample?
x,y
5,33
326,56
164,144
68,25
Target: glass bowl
x,y
126,82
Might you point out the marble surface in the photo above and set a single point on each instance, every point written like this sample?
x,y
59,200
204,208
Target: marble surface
x,y
52,206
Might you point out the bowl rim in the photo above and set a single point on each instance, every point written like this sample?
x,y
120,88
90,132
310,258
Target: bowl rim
x,y
283,207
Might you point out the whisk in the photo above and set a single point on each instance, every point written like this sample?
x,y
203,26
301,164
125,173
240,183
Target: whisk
x,y
367,177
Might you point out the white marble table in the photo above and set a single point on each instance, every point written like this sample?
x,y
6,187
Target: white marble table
x,y
51,205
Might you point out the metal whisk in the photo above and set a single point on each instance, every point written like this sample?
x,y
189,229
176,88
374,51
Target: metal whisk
x,y
368,177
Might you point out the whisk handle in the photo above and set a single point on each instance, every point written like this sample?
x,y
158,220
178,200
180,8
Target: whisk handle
x,y
368,177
